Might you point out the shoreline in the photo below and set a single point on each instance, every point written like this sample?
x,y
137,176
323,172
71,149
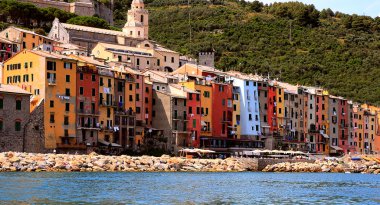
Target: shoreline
x,y
33,162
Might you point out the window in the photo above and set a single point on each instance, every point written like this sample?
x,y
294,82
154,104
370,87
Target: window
x,y
250,117
194,123
1,125
108,112
147,90
138,110
184,102
23,45
67,92
190,110
26,65
1,103
172,59
130,87
17,126
52,120
66,120
93,77
68,65
138,61
109,83
158,62
67,107
137,97
51,65
165,58
101,81
81,90
137,85
130,98
51,103
247,83
18,104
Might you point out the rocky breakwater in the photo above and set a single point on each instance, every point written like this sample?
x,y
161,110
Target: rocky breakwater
x,y
338,166
28,162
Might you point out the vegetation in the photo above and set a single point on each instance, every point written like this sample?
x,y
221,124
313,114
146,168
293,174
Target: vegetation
x,y
29,16
292,41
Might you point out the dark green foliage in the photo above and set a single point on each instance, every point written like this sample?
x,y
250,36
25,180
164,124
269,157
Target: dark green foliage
x,y
337,51
29,16
89,21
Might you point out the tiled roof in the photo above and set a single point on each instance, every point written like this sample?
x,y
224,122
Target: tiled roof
x,y
93,30
31,32
13,89
50,54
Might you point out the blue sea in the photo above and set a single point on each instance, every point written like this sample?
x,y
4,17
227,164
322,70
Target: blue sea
x,y
189,188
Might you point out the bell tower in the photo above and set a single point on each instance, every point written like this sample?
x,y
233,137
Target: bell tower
x,y
137,25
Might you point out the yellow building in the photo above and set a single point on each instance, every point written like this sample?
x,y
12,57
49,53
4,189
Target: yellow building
x,y
26,39
51,78
206,105
280,109
236,112
145,55
107,104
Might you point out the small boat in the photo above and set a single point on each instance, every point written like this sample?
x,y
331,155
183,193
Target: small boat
x,y
356,158
347,172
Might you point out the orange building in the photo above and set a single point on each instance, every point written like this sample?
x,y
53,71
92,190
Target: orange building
x,y
51,78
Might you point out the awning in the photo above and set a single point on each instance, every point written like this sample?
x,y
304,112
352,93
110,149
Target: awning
x,y
325,136
337,148
203,123
115,145
103,142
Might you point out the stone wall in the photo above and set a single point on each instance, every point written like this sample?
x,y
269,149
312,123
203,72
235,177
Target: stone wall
x,y
35,131
10,139
262,163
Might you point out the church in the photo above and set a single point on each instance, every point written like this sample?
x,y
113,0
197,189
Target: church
x,y
134,35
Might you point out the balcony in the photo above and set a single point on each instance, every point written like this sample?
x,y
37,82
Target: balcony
x,y
125,113
108,104
89,127
52,82
87,112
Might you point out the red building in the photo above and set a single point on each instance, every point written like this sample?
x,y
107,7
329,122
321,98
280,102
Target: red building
x,y
87,104
222,111
343,125
271,110
319,125
7,48
194,117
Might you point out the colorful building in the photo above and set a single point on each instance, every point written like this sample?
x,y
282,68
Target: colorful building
x,y
51,78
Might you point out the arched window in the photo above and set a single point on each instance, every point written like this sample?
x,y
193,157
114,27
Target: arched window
x,y
142,18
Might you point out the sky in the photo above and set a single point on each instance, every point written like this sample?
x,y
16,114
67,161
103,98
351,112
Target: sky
x,y
360,7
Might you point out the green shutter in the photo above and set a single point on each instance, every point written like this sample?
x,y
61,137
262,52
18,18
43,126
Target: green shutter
x,y
194,123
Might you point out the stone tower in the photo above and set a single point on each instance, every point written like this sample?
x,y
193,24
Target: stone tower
x,y
206,59
137,25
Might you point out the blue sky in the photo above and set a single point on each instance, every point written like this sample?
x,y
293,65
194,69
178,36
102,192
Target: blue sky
x,y
360,7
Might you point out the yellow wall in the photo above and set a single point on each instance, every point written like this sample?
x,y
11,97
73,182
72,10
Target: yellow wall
x,y
235,113
53,130
103,108
206,102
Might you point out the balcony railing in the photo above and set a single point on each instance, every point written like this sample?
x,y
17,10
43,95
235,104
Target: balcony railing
x,y
87,112
108,103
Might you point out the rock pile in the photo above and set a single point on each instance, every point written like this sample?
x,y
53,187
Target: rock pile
x,y
29,162
326,166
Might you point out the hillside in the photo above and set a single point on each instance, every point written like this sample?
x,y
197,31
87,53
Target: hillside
x,y
289,41
336,51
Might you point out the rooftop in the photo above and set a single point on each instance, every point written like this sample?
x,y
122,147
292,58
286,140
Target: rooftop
x,y
4,88
93,30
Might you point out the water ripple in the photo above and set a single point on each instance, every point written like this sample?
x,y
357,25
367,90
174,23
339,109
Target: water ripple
x,y
188,188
